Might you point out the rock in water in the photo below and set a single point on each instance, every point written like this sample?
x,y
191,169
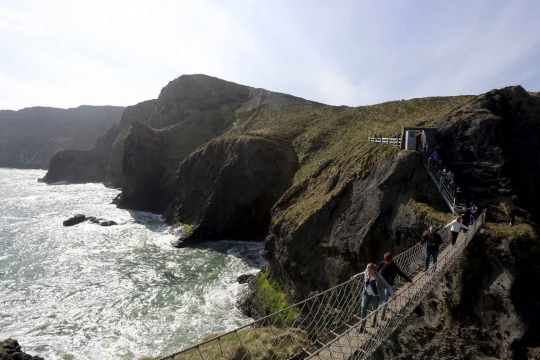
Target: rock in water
x,y
117,199
11,350
244,278
77,219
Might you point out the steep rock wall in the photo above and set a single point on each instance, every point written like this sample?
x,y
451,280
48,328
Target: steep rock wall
x,y
227,188
493,145
101,163
366,217
190,111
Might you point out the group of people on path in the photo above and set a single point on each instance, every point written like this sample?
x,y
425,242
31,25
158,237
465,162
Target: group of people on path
x,y
379,280
433,240
470,210
447,177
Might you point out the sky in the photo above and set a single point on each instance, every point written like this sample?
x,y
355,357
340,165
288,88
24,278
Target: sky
x,y
70,53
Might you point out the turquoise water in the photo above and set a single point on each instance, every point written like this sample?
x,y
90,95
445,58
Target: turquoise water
x,y
120,292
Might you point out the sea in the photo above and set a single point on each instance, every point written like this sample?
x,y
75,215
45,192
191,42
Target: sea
x,y
119,292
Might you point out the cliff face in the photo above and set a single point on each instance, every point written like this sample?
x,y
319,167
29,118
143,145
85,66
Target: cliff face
x,y
136,113
190,111
103,161
226,189
486,307
363,218
493,143
30,137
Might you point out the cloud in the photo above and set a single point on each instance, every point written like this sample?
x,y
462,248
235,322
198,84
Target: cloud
x,y
352,53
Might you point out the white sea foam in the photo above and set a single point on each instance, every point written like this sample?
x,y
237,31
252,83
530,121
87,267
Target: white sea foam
x,y
120,292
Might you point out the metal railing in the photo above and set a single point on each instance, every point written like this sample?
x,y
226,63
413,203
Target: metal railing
x,y
386,140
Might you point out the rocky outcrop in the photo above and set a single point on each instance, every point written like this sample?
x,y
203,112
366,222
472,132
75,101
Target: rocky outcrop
x,y
75,166
227,188
486,307
190,111
79,218
136,113
492,144
365,218
11,350
30,137
101,163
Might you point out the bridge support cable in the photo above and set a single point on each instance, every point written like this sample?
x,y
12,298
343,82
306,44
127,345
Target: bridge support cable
x,y
328,324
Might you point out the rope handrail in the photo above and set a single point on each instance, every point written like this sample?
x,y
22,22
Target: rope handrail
x,y
327,323
409,297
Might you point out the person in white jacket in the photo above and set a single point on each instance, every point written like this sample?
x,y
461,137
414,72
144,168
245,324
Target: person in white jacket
x,y
455,226
374,286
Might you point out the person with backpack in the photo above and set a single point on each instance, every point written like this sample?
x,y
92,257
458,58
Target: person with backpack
x,y
374,292
456,225
433,241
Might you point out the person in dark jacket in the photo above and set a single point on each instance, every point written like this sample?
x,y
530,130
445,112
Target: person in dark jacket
x,y
433,241
389,271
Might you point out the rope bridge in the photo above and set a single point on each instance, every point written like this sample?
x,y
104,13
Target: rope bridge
x,y
328,325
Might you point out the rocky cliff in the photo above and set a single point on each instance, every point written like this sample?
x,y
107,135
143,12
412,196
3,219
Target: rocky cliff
x,y
349,201
102,162
190,111
487,306
30,137
222,160
226,189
